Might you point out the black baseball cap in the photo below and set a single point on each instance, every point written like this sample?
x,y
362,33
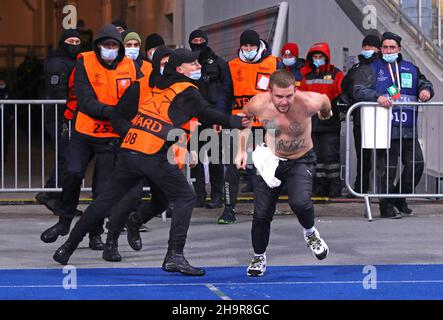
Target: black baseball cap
x,y
182,55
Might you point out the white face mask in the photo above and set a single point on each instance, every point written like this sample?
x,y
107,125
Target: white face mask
x,y
149,55
108,54
289,61
250,55
195,75
132,53
162,69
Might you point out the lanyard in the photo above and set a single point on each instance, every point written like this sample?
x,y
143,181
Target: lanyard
x,y
397,74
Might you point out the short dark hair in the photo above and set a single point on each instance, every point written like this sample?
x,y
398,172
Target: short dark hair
x,y
282,79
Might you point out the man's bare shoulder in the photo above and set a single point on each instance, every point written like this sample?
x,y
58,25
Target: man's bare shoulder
x,y
256,103
312,101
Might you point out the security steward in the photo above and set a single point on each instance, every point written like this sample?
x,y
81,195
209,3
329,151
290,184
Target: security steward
x,y
101,78
172,104
249,75
58,67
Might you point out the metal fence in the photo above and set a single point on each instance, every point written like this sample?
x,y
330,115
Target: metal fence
x,y
377,124
31,157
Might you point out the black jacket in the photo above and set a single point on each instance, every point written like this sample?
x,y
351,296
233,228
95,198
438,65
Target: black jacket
x,y
58,66
348,84
184,106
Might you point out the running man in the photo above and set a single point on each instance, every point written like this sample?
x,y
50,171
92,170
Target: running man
x,y
286,156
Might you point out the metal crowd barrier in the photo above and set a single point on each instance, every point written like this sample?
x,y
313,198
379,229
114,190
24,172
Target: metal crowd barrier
x,y
31,157
427,125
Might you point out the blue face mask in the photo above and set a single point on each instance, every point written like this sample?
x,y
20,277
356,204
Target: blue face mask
x,y
390,58
319,62
289,61
132,53
195,75
108,54
250,55
367,53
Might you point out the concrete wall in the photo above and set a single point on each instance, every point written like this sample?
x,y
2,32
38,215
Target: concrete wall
x,y
309,21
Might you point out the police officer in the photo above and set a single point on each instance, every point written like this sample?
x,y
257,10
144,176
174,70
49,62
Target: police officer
x,y
145,154
214,71
249,74
101,78
58,67
385,80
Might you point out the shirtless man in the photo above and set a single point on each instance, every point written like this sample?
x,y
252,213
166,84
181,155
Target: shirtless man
x,y
287,156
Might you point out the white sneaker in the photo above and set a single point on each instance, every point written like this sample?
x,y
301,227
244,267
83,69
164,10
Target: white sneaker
x,y
317,245
257,267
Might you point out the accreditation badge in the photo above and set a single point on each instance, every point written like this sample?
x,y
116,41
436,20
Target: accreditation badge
x,y
393,92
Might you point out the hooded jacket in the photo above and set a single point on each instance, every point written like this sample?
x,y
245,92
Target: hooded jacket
x,y
87,100
326,80
186,105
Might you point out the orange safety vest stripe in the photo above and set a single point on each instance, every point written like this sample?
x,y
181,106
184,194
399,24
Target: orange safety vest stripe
x,y
150,128
250,79
109,86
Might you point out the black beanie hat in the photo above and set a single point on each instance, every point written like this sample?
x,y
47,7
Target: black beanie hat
x,y
120,23
198,34
391,36
153,40
250,37
371,40
69,34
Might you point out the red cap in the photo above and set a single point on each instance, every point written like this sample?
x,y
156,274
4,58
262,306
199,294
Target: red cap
x,y
291,48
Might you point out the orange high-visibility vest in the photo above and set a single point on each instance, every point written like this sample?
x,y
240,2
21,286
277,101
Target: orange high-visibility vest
x,y
109,86
150,127
146,68
250,79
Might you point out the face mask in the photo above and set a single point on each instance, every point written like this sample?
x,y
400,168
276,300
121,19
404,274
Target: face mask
x,y
198,47
162,69
250,55
2,86
195,75
289,61
367,53
132,53
390,58
73,50
318,62
108,54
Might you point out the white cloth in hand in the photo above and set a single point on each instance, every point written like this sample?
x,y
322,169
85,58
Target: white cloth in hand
x,y
266,163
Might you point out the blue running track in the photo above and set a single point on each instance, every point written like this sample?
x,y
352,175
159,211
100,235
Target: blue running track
x,y
226,283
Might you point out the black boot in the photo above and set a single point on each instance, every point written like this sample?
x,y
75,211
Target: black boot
x,y
110,252
176,262
133,231
216,202
47,200
63,253
61,228
96,243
